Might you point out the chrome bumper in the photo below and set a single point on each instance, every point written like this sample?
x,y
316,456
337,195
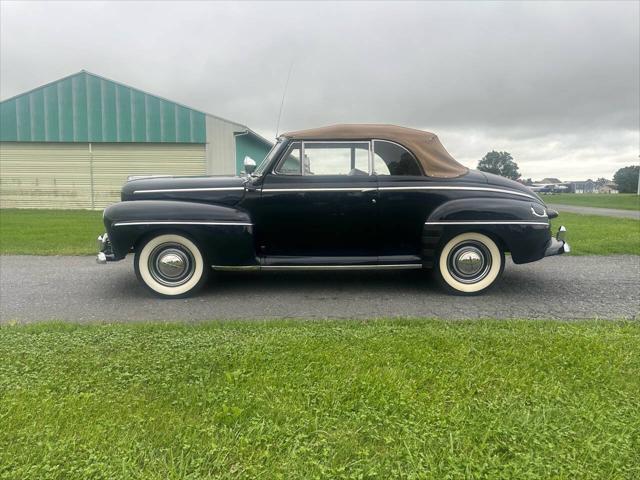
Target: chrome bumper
x,y
558,245
105,253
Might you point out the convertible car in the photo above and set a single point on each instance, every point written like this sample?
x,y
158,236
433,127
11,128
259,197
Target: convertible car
x,y
337,197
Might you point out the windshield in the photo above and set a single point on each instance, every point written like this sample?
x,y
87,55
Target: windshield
x,y
267,160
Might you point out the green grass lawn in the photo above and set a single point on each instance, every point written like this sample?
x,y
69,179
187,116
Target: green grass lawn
x,y
350,399
74,232
598,235
623,201
49,232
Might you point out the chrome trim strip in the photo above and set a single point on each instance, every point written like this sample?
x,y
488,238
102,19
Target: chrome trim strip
x,y
343,267
493,222
236,268
543,215
480,189
122,224
335,189
346,189
170,190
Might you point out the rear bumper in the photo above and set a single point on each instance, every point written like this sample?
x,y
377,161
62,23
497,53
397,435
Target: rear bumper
x,y
105,253
557,245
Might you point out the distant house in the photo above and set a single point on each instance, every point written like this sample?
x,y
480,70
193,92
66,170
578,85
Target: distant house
x,y
585,186
552,180
608,188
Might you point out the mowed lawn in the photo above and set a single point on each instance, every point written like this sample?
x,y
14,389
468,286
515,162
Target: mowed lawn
x,y
623,201
351,399
74,232
49,232
599,235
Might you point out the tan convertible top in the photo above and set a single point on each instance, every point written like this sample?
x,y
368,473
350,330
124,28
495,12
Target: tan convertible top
x,y
434,158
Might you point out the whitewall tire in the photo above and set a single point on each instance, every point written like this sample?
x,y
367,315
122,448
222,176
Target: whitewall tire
x,y
171,265
469,264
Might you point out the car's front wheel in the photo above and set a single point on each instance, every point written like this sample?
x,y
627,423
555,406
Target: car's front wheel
x,y
469,264
170,265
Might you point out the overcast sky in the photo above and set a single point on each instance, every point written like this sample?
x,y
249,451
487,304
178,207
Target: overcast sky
x,y
555,84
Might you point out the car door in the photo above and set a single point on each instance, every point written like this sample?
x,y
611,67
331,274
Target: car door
x,y
318,205
403,205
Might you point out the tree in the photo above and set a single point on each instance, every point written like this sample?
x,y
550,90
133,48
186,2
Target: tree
x,y
500,163
627,179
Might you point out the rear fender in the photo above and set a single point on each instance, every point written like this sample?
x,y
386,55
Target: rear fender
x,y
225,234
519,226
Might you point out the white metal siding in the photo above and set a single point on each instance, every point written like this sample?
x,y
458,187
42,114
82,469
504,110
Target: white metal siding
x,y
221,146
44,175
114,162
59,175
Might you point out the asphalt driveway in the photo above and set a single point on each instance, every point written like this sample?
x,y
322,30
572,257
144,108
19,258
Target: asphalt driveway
x,y
77,289
606,212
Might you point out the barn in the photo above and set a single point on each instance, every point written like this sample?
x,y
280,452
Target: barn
x,y
72,143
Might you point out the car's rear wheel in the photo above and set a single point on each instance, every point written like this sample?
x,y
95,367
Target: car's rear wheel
x,y
170,265
469,264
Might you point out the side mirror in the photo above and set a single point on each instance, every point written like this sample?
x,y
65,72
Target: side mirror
x,y
249,165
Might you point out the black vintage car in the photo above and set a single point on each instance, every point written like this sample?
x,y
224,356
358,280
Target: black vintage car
x,y
337,197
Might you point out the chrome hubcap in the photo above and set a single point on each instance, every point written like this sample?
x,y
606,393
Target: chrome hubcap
x,y
171,264
469,262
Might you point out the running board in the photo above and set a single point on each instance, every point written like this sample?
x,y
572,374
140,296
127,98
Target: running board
x,y
252,268
403,266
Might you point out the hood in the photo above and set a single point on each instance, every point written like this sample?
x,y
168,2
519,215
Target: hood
x,y
222,190
502,182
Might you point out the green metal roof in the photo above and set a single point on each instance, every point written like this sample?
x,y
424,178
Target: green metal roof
x,y
85,107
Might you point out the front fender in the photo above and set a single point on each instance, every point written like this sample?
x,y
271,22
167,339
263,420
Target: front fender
x,y
224,234
522,226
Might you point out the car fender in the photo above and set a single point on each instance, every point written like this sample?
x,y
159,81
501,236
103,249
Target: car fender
x,y
224,234
521,226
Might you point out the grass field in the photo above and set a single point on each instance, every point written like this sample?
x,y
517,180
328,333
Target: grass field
x,y
623,201
74,232
376,399
598,235
49,232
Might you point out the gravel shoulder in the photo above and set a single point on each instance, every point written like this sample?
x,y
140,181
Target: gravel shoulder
x,y
606,212
76,289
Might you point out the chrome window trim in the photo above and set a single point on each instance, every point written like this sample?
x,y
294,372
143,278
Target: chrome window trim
x,y
302,142
282,159
174,190
492,222
368,142
168,222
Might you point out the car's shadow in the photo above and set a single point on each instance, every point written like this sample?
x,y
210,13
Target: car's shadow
x,y
516,280
410,280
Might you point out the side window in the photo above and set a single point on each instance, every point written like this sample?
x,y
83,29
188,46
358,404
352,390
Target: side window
x,y
290,162
339,158
392,159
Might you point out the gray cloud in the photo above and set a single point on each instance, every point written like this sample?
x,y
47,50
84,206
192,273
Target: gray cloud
x,y
557,83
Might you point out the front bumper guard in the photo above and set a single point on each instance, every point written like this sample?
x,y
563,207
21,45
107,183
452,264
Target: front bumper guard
x,y
558,245
105,253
